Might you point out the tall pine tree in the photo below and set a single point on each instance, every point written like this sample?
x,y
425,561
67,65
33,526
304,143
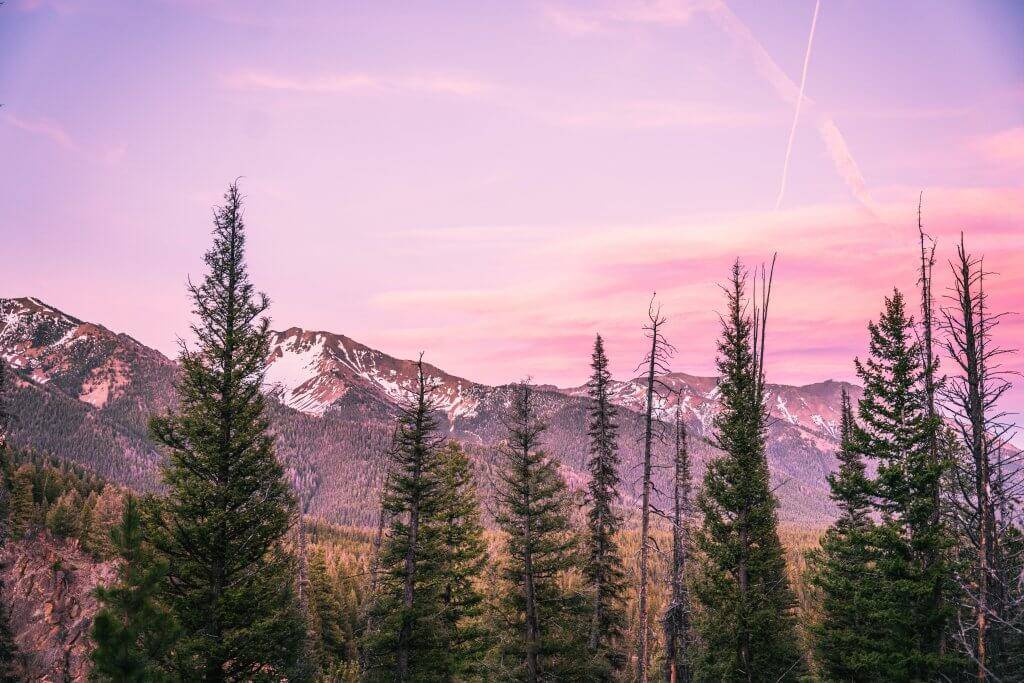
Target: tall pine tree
x,y
843,571
746,622
228,506
464,555
546,636
604,572
897,431
133,632
406,641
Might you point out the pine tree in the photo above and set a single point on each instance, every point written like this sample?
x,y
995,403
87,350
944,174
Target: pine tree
x,y
843,571
334,634
896,430
746,622
677,615
464,555
62,517
105,514
603,571
228,506
407,638
9,670
545,636
132,631
24,514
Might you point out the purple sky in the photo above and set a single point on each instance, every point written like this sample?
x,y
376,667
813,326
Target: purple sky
x,y
495,182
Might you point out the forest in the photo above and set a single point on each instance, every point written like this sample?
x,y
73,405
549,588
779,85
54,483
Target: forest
x,y
222,577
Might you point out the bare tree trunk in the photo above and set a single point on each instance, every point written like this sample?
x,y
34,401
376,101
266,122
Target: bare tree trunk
x,y
645,515
987,490
758,334
927,309
656,361
677,617
532,622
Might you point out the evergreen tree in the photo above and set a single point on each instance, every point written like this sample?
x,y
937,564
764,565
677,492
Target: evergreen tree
x,y
464,555
746,622
335,646
23,508
9,672
132,631
896,430
843,571
10,665
228,507
104,517
604,572
62,517
407,639
545,636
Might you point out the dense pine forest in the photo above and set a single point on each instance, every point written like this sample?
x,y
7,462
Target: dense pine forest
x,y
219,574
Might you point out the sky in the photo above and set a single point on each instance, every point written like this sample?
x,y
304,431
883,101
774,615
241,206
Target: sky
x,y
494,182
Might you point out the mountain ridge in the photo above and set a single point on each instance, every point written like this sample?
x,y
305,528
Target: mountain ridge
x,y
333,404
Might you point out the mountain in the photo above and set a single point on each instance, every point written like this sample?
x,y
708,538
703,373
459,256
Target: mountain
x,y
85,393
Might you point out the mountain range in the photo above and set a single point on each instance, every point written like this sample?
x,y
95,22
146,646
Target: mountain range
x,y
85,393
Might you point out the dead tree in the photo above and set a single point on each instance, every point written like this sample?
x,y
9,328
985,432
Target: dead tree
x,y
677,615
656,363
929,362
986,473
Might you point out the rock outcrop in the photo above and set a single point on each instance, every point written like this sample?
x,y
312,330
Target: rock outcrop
x,y
48,586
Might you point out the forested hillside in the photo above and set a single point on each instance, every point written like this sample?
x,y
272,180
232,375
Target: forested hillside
x,y
85,392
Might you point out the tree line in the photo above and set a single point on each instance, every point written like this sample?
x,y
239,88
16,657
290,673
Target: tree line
x,y
919,578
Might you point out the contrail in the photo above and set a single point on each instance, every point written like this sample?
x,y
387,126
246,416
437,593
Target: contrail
x,y
842,159
799,101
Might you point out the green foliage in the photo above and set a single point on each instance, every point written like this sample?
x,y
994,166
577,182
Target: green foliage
x,y
745,617
842,573
909,546
604,571
544,621
464,554
63,516
133,632
24,513
334,612
221,526
407,639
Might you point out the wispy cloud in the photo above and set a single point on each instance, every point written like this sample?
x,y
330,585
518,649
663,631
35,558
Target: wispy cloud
x,y
641,114
346,83
603,277
1004,147
598,19
547,107
48,129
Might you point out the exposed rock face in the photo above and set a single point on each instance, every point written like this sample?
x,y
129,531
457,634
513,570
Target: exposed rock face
x,y
49,587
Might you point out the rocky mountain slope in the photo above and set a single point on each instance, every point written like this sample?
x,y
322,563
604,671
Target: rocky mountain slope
x,y
49,584
85,392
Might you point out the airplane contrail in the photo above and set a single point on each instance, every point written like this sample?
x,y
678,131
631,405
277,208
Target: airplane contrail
x,y
784,86
799,101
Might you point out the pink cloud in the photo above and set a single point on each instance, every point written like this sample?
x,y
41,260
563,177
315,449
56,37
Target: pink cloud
x,y
1004,147
834,268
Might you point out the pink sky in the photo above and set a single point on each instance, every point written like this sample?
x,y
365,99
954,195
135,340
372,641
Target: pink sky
x,y
495,182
